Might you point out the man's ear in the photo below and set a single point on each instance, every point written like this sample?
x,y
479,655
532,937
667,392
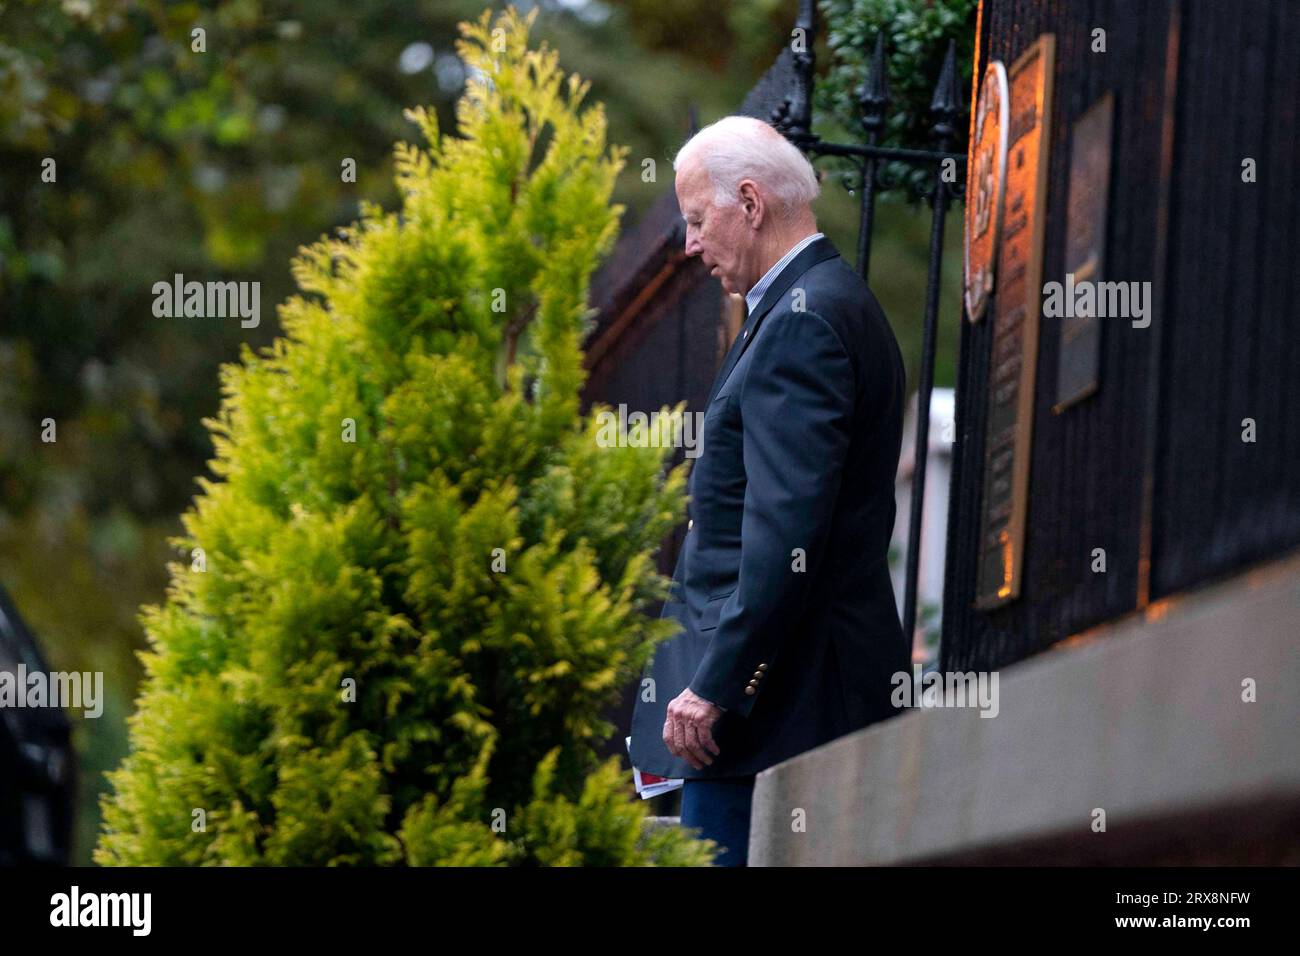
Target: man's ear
x,y
751,203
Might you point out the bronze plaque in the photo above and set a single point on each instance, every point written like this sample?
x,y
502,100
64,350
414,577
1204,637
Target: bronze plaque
x,y
1085,251
985,186
1015,310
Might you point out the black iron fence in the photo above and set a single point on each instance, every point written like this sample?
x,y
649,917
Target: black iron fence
x,y
794,119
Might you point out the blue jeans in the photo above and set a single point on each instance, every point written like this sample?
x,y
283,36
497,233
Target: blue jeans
x,y
719,809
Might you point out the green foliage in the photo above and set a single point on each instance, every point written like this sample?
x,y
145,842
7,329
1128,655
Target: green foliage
x,y
916,38
478,691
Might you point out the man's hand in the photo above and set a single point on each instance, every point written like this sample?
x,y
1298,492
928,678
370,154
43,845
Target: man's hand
x,y
688,728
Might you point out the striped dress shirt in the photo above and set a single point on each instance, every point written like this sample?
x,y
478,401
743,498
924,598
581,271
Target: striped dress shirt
x,y
755,295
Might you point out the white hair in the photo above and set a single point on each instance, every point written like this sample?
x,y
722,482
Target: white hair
x,y
742,147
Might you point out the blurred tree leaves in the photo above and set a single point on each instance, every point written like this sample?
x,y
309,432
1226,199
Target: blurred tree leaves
x,y
216,165
219,164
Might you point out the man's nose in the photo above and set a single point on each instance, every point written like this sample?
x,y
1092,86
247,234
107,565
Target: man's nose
x,y
693,247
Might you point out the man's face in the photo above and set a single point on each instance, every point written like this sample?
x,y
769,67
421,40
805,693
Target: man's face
x,y
720,235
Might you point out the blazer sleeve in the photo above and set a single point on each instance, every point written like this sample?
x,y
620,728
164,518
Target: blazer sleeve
x,y
796,406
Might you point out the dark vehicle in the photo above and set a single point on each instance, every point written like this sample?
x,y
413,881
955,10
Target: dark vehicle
x,y
36,761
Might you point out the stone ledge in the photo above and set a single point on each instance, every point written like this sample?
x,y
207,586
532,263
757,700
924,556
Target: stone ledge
x,y
1142,718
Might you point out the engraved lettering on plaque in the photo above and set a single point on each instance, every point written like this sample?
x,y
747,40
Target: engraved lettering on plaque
x,y
1015,308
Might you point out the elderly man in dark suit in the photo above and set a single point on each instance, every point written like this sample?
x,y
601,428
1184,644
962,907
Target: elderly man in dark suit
x,y
789,626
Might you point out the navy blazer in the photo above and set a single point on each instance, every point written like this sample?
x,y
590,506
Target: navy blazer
x,y
782,588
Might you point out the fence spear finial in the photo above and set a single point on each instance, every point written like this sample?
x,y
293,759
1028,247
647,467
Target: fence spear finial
x,y
943,107
873,94
794,116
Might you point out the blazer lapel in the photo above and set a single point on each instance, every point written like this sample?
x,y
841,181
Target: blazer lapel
x,y
817,251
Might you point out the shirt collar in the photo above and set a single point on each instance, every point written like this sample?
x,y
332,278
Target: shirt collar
x,y
755,295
